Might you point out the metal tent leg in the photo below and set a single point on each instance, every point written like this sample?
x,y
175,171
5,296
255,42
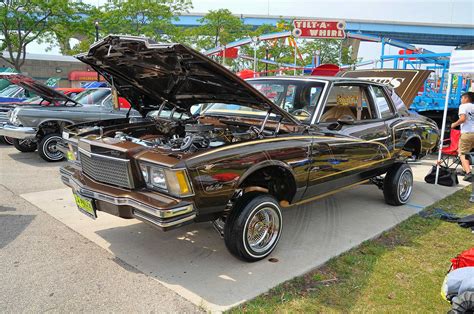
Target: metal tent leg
x,y
471,199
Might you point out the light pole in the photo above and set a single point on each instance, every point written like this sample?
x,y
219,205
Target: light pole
x,y
97,39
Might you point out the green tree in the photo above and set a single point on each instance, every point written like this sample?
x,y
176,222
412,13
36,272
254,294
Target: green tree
x,y
151,18
24,21
218,28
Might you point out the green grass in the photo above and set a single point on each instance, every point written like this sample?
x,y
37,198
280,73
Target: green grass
x,y
400,271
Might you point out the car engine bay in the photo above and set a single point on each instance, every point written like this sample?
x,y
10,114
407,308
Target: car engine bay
x,y
190,137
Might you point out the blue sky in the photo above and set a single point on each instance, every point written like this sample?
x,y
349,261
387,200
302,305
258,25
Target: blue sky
x,y
410,11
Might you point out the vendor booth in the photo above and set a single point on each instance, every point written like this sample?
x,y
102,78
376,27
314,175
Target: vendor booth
x,y
461,62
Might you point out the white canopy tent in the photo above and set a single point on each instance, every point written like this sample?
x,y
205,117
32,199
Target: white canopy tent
x,y
461,62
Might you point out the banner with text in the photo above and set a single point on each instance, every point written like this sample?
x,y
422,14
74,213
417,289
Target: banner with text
x,y
319,29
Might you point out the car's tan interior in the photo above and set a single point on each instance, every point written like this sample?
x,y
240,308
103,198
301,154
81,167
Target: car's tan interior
x,y
346,100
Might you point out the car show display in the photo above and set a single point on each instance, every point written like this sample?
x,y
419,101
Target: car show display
x,y
254,148
236,157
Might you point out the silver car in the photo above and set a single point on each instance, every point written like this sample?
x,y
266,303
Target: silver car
x,y
40,127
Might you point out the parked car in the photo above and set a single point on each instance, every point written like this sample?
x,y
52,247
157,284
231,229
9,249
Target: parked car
x,y
245,156
14,93
33,126
32,87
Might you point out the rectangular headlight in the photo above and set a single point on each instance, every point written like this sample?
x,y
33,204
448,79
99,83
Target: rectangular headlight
x,y
175,182
157,178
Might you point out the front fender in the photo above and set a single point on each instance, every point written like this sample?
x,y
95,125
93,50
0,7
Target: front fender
x,y
66,121
261,165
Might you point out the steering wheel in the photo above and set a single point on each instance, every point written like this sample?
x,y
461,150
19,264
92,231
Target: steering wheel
x,y
297,112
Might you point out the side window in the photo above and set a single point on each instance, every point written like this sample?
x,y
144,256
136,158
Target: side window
x,y
347,100
381,102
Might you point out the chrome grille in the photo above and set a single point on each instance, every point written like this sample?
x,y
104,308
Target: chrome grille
x,y
106,169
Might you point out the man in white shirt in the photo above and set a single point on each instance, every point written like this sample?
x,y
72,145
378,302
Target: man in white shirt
x,y
466,121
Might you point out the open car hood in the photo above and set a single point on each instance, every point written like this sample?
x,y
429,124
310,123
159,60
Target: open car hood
x,y
47,93
406,83
149,74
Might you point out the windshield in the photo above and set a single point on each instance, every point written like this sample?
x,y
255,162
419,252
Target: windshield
x,y
92,96
10,91
297,97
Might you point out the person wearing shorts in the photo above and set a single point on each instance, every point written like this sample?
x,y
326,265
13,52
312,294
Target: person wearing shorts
x,y
466,121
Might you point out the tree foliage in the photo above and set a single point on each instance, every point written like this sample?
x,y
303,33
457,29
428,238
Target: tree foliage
x,y
24,21
218,28
152,18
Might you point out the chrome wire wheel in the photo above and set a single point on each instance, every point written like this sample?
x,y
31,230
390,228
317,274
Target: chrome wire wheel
x,y
405,185
263,229
50,148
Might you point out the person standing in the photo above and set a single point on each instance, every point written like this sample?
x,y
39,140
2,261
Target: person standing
x,y
466,121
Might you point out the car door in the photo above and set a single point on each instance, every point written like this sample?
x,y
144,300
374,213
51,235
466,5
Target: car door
x,y
351,140
400,129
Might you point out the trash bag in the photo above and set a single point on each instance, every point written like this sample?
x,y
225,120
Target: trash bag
x,y
467,285
466,222
463,303
464,259
446,177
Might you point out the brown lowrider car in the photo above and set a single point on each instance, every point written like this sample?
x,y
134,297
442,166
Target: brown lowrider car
x,y
212,147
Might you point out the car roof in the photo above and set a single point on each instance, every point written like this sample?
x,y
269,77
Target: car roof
x,y
335,79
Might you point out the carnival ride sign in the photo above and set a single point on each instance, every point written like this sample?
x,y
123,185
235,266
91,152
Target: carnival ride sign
x,y
319,29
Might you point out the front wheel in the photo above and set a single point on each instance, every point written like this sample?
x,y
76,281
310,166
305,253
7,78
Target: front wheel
x,y
398,184
253,227
24,146
48,148
8,140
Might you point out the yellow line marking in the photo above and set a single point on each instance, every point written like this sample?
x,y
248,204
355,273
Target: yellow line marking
x,y
269,140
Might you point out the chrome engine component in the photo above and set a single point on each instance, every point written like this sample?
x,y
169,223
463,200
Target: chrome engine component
x,y
196,137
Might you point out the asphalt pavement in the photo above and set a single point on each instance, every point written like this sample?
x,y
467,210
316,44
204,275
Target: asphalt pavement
x,y
47,266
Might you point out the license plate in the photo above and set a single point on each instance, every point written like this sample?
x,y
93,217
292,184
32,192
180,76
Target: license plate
x,y
85,205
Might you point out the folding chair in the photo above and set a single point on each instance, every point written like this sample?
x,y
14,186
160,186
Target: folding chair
x,y
450,154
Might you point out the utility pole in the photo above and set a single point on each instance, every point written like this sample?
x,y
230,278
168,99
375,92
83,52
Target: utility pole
x,y
266,64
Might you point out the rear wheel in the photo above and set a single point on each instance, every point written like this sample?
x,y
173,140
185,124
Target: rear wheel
x,y
398,184
48,147
253,228
24,146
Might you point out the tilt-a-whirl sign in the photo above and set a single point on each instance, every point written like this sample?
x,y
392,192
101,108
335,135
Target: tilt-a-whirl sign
x,y
319,29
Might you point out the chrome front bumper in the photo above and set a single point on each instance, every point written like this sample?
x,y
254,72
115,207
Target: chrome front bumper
x,y
161,217
18,132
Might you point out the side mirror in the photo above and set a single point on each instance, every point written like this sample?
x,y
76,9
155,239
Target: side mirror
x,y
345,120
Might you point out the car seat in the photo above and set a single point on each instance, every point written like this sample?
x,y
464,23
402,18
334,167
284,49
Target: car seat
x,y
334,113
